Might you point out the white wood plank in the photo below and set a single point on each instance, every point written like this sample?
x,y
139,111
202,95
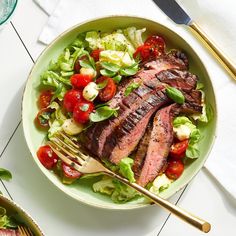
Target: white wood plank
x,y
28,21
59,214
205,198
14,65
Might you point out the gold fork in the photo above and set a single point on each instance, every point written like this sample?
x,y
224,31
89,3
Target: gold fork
x,y
68,151
24,231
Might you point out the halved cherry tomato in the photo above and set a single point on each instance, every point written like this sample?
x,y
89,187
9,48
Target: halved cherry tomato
x,y
47,157
82,111
70,172
80,81
95,54
178,149
144,52
156,42
174,169
109,91
71,98
45,98
43,117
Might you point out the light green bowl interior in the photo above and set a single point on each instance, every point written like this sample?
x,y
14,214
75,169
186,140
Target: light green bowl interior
x,y
13,209
34,137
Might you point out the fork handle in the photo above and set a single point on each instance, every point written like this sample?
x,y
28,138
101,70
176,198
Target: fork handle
x,y
182,214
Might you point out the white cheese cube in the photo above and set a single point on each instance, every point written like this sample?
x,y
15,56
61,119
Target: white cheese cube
x,y
90,91
182,132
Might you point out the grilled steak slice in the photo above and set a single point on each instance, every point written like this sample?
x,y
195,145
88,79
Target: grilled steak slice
x,y
183,80
141,151
159,145
126,136
91,137
173,60
193,102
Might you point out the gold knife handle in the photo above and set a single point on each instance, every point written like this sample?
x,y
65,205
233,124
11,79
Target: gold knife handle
x,y
222,58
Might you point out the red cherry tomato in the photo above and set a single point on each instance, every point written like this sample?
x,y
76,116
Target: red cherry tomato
x,y
174,169
80,81
47,157
178,149
82,110
144,52
42,117
156,42
95,54
69,172
108,92
44,99
71,98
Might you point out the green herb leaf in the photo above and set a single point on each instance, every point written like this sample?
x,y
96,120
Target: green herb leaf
x,y
199,86
102,113
85,64
107,73
131,88
5,174
110,66
117,79
175,94
103,84
84,107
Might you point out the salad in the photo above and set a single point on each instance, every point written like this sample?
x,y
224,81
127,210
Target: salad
x,y
76,92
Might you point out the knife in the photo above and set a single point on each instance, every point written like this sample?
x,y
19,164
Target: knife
x,y
173,10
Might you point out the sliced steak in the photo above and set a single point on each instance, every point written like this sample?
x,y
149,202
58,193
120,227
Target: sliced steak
x,y
193,102
95,136
159,145
126,136
182,80
140,154
173,60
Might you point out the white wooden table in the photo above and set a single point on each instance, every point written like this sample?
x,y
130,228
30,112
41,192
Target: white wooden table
x,y
58,214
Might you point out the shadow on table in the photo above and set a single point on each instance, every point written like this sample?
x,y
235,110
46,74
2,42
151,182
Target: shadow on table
x,y
32,190
228,199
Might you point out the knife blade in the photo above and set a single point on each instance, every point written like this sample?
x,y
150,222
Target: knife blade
x,y
174,11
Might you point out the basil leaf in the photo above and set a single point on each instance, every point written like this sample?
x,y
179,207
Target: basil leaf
x,y
110,66
175,94
131,88
107,73
102,113
103,84
193,151
87,63
5,174
117,79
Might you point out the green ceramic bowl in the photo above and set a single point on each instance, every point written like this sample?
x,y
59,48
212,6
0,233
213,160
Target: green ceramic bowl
x,y
14,209
34,137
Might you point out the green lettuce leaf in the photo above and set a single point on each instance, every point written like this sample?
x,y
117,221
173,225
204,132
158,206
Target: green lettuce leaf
x,y
134,35
195,136
125,166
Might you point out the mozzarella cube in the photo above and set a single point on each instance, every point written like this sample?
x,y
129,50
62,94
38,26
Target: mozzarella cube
x,y
90,91
88,71
71,127
182,132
